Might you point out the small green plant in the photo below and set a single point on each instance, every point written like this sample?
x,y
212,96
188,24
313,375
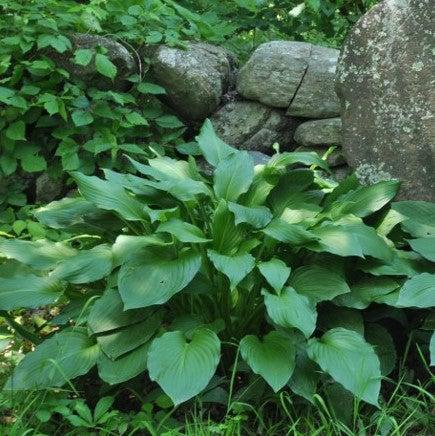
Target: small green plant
x,y
180,274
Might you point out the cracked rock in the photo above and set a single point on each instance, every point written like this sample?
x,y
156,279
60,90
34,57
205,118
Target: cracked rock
x,y
293,75
195,79
384,81
316,97
319,132
250,125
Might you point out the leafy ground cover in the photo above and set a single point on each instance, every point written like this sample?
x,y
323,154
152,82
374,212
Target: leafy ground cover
x,y
276,302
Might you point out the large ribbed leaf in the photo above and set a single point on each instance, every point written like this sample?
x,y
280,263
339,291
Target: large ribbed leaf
x,y
368,290
418,217
86,266
184,232
181,368
305,377
303,157
57,360
64,213
212,147
425,247
40,254
108,313
108,195
291,310
318,283
28,290
119,342
419,291
126,367
276,272
350,360
153,278
236,268
227,237
383,343
365,200
233,176
257,217
293,234
273,357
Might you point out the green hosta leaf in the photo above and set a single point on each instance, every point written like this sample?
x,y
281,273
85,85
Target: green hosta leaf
x,y
127,246
125,368
305,377
257,217
403,263
83,56
28,290
8,164
291,310
108,313
366,199
331,316
318,283
425,247
212,147
350,361
227,237
306,158
432,349
367,291
105,66
169,122
39,254
58,359
16,131
150,88
276,272
273,357
289,233
86,266
109,196
183,231
236,268
32,163
120,342
383,344
233,176
418,217
64,213
164,278
183,369
419,291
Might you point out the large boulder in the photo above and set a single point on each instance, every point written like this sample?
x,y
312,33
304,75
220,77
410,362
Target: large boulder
x,y
319,132
385,82
296,76
124,61
195,79
250,125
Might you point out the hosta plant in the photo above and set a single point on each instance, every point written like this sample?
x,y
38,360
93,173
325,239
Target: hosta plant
x,y
188,272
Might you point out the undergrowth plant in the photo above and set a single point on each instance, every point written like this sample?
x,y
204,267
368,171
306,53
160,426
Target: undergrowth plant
x,y
202,276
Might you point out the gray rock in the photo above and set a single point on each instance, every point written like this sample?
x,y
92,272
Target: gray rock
x,y
293,75
125,62
48,189
274,72
195,79
249,125
386,82
319,132
316,96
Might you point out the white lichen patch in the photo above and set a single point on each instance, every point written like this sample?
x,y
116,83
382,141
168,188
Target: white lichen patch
x,y
368,174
